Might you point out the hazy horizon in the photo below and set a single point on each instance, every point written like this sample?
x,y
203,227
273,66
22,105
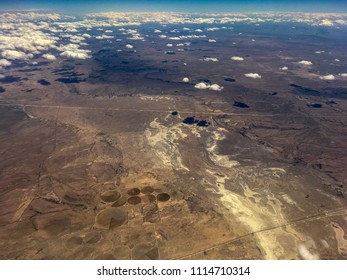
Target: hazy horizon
x,y
79,6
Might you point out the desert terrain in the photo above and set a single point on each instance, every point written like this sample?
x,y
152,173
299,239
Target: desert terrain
x,y
117,156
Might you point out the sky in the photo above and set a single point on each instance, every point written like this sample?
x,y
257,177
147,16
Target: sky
x,y
83,6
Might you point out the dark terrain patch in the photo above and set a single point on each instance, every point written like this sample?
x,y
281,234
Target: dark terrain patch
x,y
193,120
9,79
43,82
240,104
203,123
190,120
304,90
314,105
70,80
9,117
162,197
228,79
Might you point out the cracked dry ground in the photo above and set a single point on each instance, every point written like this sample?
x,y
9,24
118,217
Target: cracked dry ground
x,y
98,181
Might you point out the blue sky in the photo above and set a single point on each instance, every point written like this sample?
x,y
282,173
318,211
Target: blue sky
x,y
82,6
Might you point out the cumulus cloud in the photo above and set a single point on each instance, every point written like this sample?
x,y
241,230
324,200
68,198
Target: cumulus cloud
x,y
213,59
4,63
212,29
326,22
305,62
202,85
185,80
76,54
175,38
104,37
253,75
129,46
49,56
329,77
343,75
13,55
284,68
75,38
237,58
157,31
212,41
73,51
215,87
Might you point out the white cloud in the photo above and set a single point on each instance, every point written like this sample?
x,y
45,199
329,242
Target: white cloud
x,y
213,59
4,63
202,85
185,80
49,56
157,31
212,41
76,54
175,38
253,75
212,29
284,68
104,37
326,22
73,51
215,87
129,46
27,39
108,31
169,45
237,58
75,38
12,55
343,75
328,77
305,62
